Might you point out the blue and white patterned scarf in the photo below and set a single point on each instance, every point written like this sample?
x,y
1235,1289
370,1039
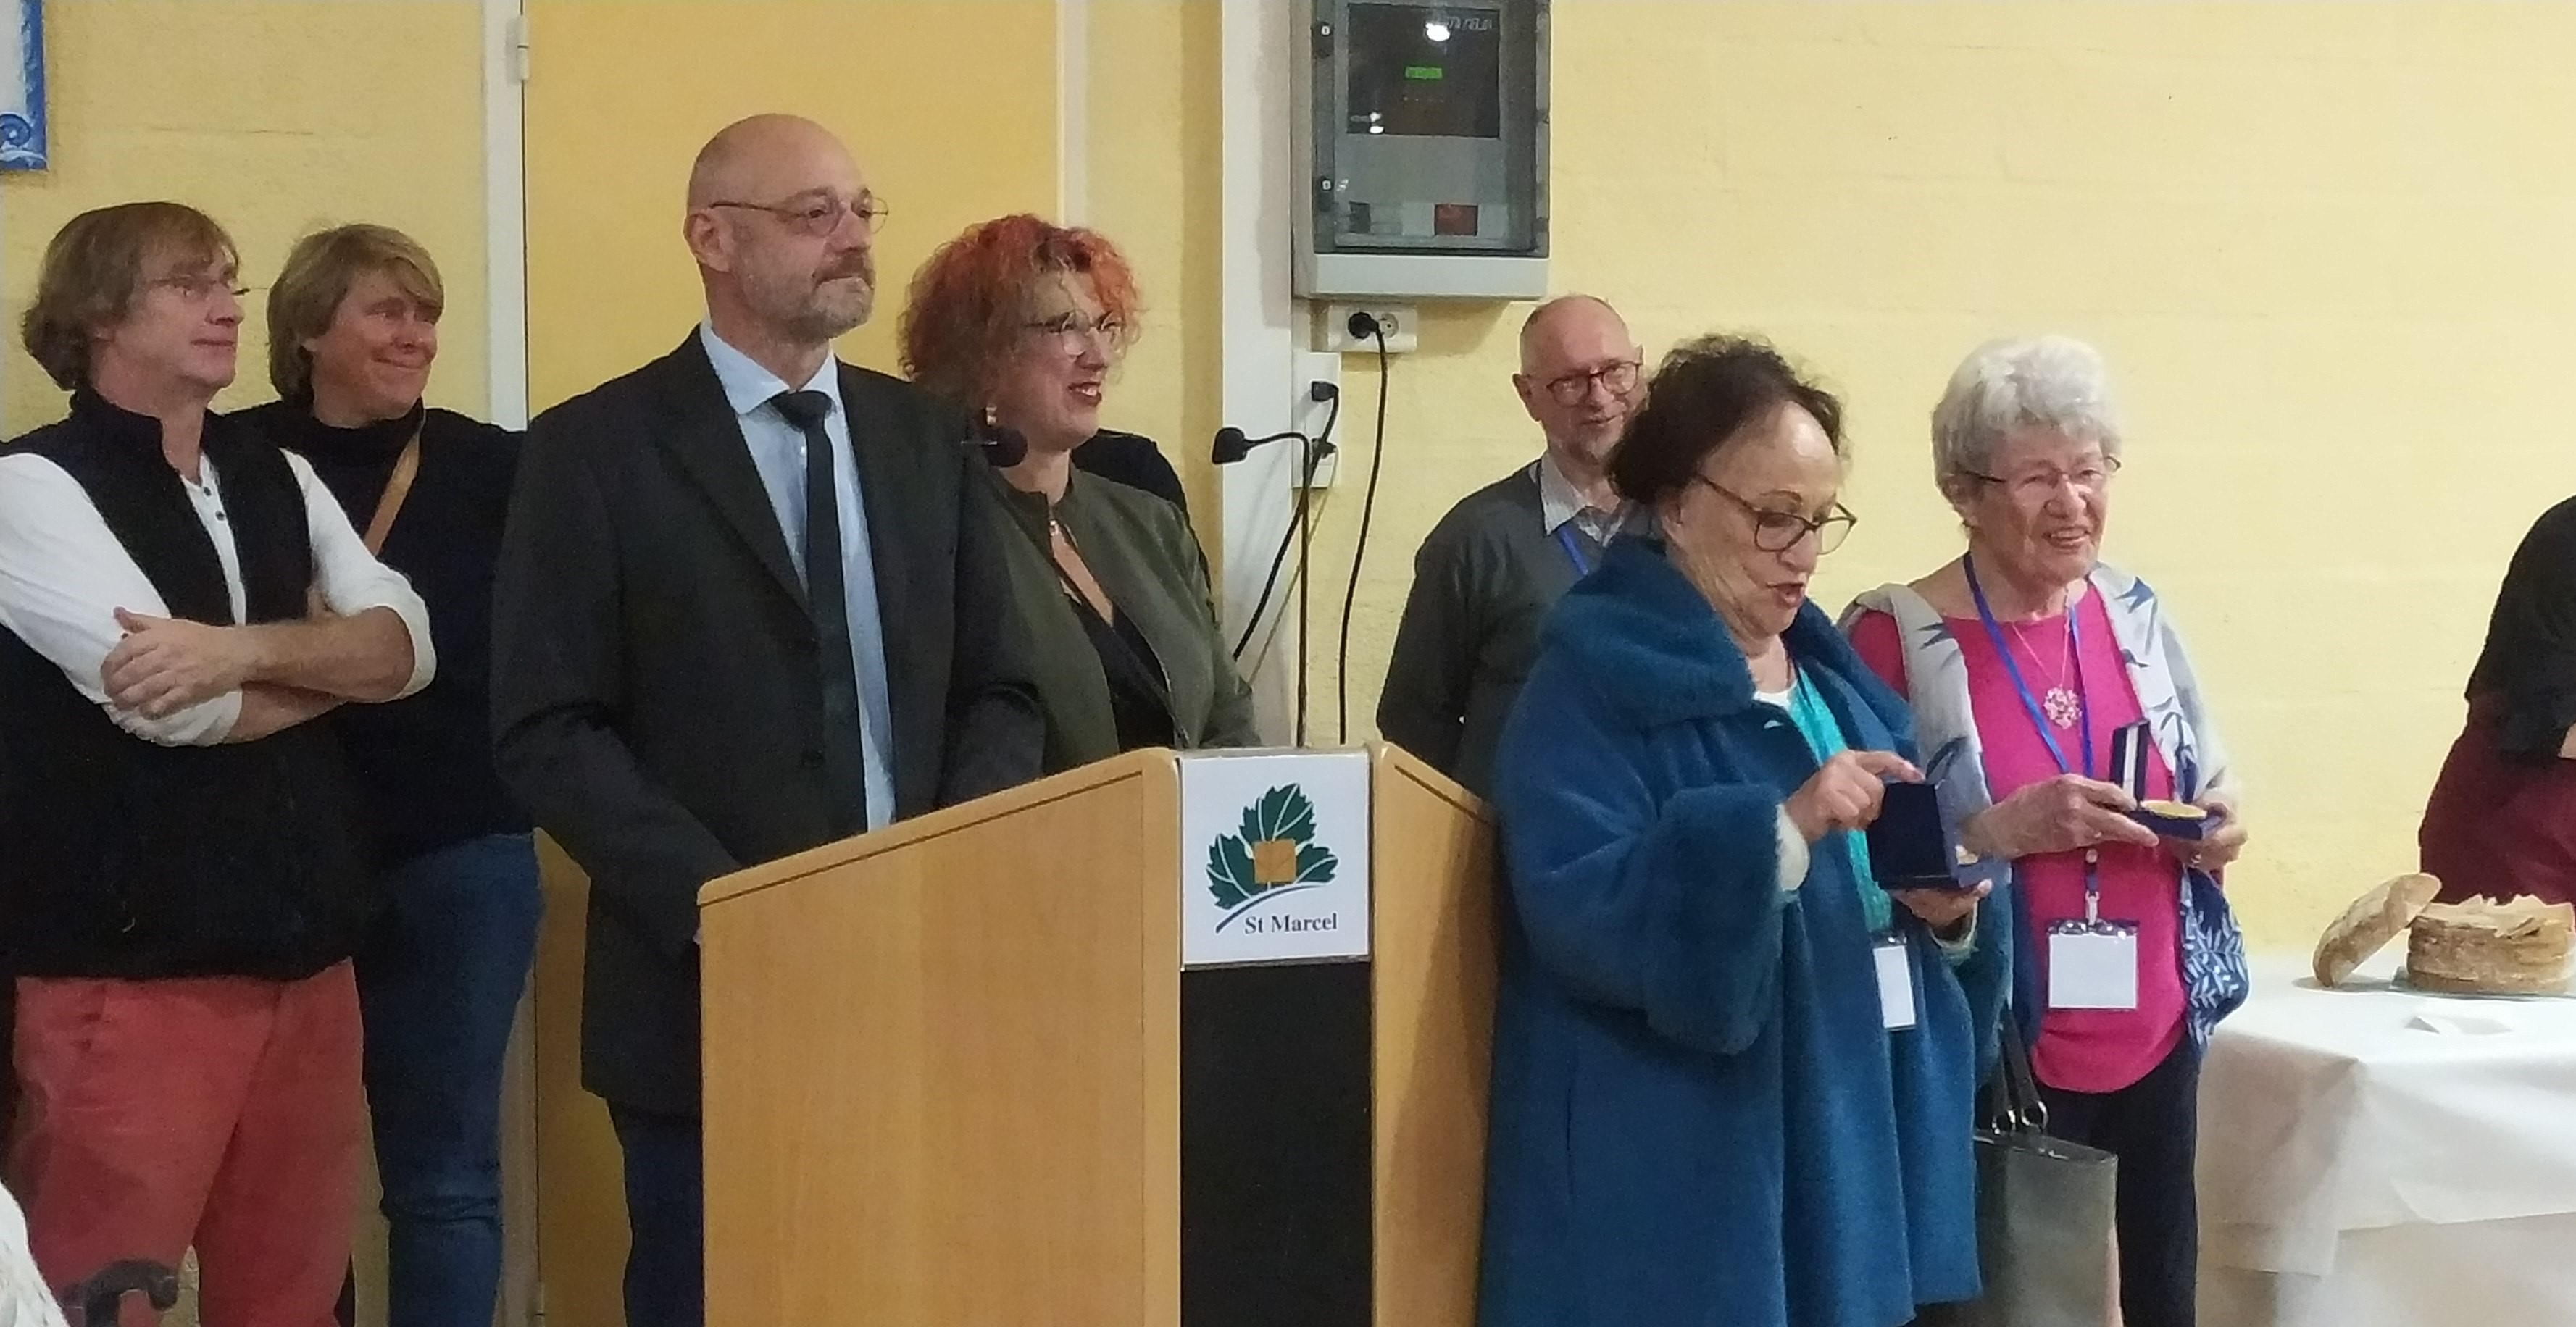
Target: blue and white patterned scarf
x,y
1945,725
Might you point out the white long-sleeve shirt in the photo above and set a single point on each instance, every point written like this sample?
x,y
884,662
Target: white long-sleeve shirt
x,y
24,1301
63,575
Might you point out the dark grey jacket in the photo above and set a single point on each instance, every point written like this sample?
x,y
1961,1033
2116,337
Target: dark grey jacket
x,y
657,688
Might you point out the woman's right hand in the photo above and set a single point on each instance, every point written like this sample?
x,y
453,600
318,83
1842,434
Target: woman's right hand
x,y
2056,815
1845,792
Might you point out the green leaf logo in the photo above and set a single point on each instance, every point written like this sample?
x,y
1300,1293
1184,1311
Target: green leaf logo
x,y
1275,853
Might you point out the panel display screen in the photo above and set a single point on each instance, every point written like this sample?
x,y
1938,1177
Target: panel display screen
x,y
1425,72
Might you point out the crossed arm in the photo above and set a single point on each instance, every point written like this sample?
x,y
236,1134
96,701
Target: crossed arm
x,y
68,589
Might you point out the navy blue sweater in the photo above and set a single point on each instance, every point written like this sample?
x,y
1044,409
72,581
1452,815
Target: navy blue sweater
x,y
424,763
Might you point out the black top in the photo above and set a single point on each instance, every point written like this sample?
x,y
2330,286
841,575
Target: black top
x,y
1138,702
2526,675
1133,460
125,858
424,763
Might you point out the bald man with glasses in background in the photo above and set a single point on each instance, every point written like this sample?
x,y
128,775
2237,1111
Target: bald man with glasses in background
x,y
1493,567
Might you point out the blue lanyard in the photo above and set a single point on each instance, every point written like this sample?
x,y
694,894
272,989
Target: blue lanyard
x,y
2039,721
1573,548
2030,703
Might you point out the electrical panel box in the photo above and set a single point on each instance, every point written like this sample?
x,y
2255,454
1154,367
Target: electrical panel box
x,y
1422,131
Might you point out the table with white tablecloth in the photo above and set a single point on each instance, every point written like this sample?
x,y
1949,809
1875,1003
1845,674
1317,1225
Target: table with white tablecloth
x,y
2374,1156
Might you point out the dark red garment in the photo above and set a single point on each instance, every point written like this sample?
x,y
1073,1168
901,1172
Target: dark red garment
x,y
2502,819
2500,826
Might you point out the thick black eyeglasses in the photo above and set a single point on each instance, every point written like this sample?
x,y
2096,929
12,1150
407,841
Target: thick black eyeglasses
x,y
1780,531
1619,377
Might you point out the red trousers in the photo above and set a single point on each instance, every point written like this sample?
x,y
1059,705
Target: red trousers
x,y
219,1113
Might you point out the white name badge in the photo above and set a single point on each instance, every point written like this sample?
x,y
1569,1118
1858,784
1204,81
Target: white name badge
x,y
1895,962
2092,965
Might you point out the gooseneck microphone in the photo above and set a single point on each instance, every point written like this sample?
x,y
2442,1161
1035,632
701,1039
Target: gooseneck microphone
x,y
1232,444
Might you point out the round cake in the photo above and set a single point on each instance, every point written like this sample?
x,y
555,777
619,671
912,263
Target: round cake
x,y
2482,947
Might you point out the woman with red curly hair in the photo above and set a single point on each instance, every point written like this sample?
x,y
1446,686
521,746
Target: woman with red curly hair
x,y
1021,320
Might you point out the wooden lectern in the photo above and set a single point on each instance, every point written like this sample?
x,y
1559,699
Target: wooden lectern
x,y
959,1074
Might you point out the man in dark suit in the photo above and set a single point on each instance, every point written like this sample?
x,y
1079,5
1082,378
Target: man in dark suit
x,y
737,615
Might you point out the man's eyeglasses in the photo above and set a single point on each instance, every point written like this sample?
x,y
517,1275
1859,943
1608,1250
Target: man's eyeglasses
x,y
1617,378
817,215
1780,531
2040,485
198,287
1071,332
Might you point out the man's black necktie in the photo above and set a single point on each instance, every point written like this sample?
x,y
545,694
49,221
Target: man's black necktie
x,y
827,597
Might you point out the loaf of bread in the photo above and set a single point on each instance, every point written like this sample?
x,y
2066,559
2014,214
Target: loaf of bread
x,y
2482,947
2373,920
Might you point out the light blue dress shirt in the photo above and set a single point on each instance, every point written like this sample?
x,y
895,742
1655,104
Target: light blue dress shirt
x,y
778,452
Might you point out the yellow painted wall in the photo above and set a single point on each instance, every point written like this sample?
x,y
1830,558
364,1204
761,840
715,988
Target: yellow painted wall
x,y
949,107
2327,246
277,117
1153,156
2331,250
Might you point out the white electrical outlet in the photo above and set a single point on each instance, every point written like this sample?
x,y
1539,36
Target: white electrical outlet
x,y
1396,320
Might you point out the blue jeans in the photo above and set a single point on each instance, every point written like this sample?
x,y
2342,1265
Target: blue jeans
x,y
666,1200
438,984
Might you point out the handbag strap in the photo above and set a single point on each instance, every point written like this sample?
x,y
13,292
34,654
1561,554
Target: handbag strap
x,y
398,487
2022,1109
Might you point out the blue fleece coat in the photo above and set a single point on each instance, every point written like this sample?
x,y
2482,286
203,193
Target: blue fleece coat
x,y
1698,1120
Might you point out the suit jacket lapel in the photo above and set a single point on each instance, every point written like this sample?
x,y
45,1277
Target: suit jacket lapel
x,y
709,445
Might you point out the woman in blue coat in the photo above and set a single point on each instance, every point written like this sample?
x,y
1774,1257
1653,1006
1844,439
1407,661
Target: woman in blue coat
x,y
1705,1111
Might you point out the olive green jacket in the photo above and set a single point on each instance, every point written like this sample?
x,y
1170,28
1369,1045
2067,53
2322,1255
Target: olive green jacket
x,y
1141,550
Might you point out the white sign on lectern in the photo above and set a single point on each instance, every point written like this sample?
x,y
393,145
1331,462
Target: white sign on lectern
x,y
1274,856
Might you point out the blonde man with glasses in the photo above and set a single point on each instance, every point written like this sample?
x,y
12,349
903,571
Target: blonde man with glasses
x,y
1494,566
184,879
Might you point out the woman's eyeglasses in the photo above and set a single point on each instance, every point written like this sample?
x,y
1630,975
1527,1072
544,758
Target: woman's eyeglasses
x,y
2040,485
1780,531
1071,332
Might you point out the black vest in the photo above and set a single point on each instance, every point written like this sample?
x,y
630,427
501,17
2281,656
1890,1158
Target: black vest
x,y
120,857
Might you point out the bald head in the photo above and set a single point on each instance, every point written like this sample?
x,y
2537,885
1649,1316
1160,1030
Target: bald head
x,y
1578,322
760,158
1578,377
779,220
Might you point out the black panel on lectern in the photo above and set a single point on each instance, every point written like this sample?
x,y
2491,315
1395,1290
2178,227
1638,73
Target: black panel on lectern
x,y
1275,1150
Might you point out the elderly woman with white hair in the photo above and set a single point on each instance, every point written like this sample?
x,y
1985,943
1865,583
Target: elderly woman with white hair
x,y
2028,664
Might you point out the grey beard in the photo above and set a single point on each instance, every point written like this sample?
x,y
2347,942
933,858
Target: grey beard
x,y
816,325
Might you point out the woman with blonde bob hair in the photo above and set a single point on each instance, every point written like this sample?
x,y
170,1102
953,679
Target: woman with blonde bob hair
x,y
353,334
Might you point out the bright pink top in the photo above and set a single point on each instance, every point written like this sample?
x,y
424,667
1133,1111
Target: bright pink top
x,y
2079,1050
